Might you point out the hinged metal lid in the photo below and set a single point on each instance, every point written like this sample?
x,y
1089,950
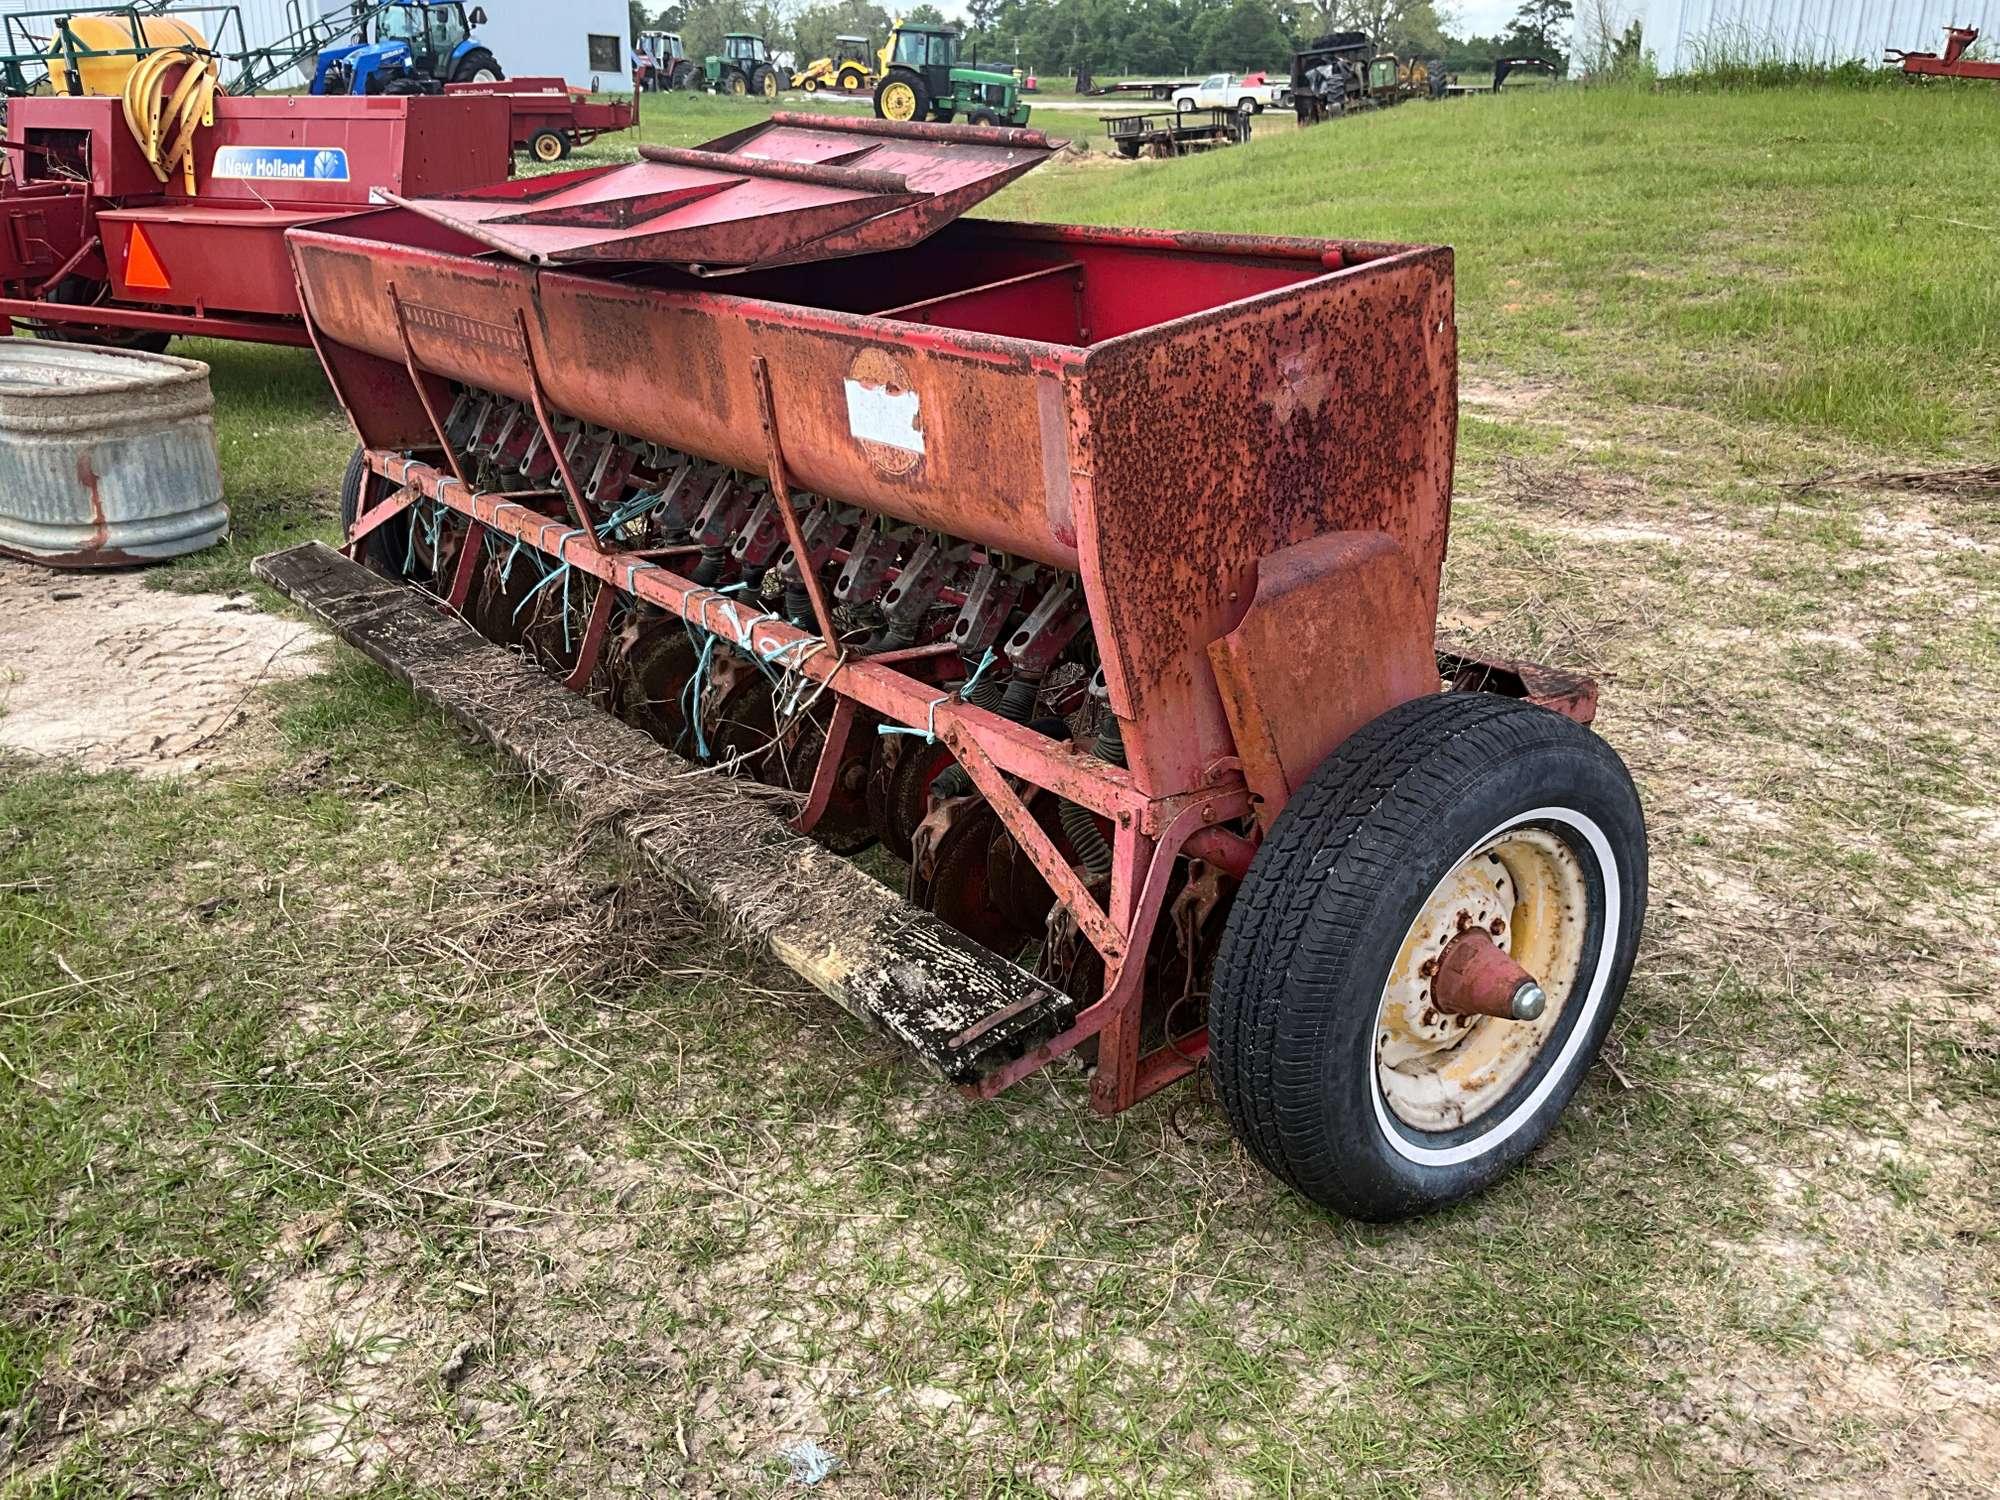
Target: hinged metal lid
x,y
792,188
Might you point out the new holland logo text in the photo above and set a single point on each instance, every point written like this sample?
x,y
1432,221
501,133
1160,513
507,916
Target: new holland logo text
x,y
281,163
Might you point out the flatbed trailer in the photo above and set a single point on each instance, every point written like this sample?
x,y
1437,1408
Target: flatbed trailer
x,y
1166,133
550,119
1154,88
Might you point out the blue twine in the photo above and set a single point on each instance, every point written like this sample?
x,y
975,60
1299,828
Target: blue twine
x,y
742,628
428,519
929,732
692,691
630,511
562,572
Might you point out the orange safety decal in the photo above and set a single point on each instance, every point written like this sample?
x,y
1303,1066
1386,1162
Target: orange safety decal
x,y
142,264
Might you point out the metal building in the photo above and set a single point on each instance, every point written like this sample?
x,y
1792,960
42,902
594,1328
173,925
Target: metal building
x,y
1680,34
583,41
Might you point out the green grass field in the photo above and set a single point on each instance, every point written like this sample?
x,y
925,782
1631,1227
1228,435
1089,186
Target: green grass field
x,y
371,1129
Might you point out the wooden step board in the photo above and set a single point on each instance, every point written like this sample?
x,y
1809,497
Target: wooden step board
x,y
959,1007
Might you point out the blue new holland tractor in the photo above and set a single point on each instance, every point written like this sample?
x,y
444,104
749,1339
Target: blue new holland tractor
x,y
407,47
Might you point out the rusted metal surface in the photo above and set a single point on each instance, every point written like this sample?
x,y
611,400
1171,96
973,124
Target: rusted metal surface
x,y
1571,694
803,512
795,186
894,966
106,459
1476,977
1338,632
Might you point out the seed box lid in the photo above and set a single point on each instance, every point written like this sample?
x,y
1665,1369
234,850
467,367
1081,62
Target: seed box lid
x,y
795,187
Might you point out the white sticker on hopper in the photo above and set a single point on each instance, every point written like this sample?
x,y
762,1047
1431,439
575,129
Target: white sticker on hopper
x,y
876,416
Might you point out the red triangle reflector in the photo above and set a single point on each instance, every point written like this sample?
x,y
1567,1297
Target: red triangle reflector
x,y
142,264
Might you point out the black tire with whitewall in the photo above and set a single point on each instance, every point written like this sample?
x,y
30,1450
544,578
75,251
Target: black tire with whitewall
x,y
1331,1064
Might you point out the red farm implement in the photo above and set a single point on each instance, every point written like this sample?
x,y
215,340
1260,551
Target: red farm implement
x,y
549,119
1093,573
1953,64
95,245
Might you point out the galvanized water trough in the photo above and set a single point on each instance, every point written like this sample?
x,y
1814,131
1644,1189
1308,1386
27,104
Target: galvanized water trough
x,y
107,458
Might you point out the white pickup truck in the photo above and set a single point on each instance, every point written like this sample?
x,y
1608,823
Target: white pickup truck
x,y
1236,91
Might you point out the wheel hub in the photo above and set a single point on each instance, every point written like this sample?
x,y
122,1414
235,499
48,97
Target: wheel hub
x,y
1525,891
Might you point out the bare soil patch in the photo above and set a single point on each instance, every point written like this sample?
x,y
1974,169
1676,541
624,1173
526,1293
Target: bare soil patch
x,y
102,671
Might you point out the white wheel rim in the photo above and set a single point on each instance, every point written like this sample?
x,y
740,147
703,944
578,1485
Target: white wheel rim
x,y
1443,1072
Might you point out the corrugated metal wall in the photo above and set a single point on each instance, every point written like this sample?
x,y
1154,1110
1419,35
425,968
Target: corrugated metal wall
x,y
1679,33
528,36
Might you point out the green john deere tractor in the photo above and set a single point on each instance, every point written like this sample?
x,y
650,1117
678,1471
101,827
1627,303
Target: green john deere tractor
x,y
744,67
921,78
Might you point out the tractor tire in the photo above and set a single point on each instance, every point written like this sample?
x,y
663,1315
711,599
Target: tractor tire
x,y
809,86
1330,1061
477,66
942,113
765,82
853,82
982,117
733,83
684,76
406,87
388,545
901,96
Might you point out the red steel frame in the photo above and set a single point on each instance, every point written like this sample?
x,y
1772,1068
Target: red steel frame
x,y
1954,63
540,103
1148,833
1069,465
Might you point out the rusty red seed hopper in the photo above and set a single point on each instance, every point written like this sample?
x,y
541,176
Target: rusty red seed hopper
x,y
1094,573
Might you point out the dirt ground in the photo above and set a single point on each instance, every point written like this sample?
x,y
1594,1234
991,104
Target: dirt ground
x,y
102,672
593,1204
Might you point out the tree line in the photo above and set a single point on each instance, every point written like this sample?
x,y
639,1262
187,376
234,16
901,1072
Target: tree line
x,y
1113,37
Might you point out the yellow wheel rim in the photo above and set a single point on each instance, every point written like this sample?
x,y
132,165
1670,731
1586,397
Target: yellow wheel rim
x,y
770,86
811,85
548,148
899,102
737,85
1526,887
